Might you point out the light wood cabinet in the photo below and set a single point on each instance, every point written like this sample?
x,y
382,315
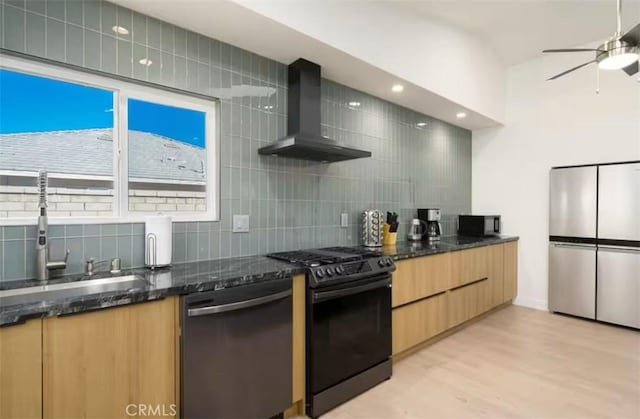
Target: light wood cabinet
x,y
98,363
420,277
21,370
496,274
468,301
510,270
416,322
432,294
469,265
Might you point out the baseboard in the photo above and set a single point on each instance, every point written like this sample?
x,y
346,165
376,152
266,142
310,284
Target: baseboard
x,y
531,303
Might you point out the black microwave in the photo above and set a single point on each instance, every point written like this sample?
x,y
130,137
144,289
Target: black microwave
x,y
479,225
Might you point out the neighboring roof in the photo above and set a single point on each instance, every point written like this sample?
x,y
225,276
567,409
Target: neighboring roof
x,y
90,152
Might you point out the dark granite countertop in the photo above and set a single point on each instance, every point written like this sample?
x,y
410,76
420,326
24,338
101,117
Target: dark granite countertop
x,y
180,279
187,278
408,250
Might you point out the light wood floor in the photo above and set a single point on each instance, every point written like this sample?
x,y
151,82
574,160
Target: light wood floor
x,y
517,362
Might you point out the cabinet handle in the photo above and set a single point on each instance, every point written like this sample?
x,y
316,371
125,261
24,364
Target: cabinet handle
x,y
475,281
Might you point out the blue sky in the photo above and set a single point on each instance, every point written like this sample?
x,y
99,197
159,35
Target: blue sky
x,y
181,124
37,104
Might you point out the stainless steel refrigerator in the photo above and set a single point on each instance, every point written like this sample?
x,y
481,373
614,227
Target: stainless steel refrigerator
x,y
594,242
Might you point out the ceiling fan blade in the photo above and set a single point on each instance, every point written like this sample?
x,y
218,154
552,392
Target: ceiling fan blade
x,y
631,69
571,50
633,36
571,69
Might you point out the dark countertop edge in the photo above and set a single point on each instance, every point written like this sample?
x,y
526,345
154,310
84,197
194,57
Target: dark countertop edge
x,y
14,315
453,248
20,313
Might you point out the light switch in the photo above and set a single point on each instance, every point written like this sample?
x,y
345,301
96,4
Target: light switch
x,y
344,220
240,223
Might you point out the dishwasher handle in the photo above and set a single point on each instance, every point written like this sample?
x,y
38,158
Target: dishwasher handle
x,y
240,305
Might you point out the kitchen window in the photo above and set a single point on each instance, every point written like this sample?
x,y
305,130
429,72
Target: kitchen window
x,y
112,149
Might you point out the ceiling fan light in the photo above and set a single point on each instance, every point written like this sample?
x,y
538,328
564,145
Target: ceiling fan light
x,y
618,58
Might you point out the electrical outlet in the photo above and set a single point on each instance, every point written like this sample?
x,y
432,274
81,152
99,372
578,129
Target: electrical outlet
x,y
344,220
240,223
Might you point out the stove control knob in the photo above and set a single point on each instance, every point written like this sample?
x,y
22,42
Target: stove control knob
x,y
389,261
319,272
339,270
329,271
381,262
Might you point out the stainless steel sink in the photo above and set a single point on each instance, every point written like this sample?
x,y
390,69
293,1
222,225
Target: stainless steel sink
x,y
71,289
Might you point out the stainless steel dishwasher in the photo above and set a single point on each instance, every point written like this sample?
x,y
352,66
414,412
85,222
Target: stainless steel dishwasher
x,y
236,351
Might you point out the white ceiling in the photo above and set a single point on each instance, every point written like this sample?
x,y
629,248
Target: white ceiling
x,y
242,27
519,29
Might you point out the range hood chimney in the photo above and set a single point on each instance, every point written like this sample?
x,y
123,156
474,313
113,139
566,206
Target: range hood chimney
x,y
303,140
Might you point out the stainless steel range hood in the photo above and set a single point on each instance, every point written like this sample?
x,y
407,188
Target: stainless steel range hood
x,y
304,140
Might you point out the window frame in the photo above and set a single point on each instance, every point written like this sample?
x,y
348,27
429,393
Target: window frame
x,y
123,90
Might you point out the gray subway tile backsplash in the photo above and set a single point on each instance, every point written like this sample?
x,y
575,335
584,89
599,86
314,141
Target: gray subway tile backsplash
x,y
13,29
291,203
91,18
75,12
35,35
13,253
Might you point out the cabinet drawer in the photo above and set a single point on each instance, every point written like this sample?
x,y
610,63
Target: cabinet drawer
x,y
421,277
468,301
469,266
416,322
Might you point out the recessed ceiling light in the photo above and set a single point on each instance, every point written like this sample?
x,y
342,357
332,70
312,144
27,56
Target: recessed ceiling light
x,y
397,88
120,30
461,115
145,61
268,107
354,104
421,124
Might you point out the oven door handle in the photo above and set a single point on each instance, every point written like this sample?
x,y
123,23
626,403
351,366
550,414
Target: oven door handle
x,y
320,296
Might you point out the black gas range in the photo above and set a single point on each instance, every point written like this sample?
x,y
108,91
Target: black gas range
x,y
334,265
348,323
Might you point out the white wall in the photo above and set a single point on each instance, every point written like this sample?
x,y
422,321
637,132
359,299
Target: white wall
x,y
438,57
549,124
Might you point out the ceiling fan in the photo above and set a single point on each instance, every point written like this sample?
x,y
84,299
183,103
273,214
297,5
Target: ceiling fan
x,y
620,52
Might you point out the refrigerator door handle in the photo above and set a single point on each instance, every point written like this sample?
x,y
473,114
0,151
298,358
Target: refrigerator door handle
x,y
575,245
620,249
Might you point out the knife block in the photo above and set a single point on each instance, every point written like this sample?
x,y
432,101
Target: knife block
x,y
388,238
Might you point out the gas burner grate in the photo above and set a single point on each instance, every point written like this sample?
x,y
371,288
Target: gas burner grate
x,y
352,251
325,256
305,258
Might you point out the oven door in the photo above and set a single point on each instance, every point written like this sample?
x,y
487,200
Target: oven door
x,y
349,330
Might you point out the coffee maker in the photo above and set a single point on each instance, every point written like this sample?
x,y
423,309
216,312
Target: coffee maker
x,y
431,217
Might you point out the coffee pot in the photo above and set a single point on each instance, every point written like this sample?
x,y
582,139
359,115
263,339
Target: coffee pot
x,y
417,230
434,228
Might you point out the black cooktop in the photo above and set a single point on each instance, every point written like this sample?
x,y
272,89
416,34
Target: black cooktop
x,y
324,256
